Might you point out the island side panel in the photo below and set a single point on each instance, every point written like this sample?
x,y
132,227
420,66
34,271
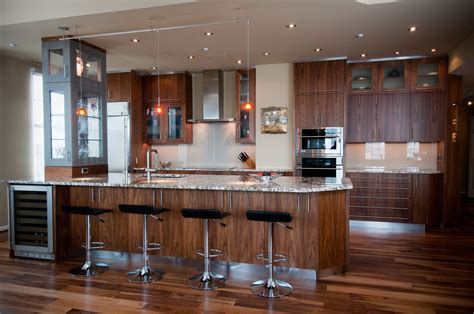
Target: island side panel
x,y
333,231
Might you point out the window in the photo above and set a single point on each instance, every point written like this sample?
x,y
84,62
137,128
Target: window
x,y
38,137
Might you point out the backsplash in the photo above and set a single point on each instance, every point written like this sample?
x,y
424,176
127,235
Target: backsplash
x,y
392,155
213,146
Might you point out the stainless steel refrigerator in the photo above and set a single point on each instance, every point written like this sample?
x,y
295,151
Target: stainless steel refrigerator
x,y
118,136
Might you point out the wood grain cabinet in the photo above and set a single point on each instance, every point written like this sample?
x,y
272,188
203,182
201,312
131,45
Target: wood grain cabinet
x,y
381,197
427,199
427,116
166,122
429,74
397,197
393,117
320,77
361,118
319,94
119,86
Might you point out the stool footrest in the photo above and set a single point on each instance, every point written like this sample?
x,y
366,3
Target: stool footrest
x,y
212,252
277,258
153,246
95,245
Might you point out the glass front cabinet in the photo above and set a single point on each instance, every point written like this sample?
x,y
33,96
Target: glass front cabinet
x,y
394,76
74,86
362,78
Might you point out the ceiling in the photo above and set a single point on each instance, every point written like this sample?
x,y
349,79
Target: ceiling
x,y
327,24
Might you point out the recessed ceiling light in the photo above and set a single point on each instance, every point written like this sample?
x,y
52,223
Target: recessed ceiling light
x,y
205,49
433,49
359,35
191,57
239,61
318,49
412,29
208,33
135,40
469,103
363,55
266,53
397,52
88,65
154,68
11,45
292,25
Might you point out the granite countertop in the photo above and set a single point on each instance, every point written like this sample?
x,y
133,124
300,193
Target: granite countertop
x,y
408,170
217,169
203,182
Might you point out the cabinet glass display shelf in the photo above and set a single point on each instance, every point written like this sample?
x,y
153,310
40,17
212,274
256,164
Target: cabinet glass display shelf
x,y
74,87
427,75
362,79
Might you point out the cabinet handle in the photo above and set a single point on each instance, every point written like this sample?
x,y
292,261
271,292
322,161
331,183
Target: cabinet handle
x,y
373,134
412,136
161,198
321,118
99,195
298,203
308,202
154,198
230,199
92,196
65,70
109,93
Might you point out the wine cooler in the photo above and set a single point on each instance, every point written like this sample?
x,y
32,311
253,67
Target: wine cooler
x,y
31,221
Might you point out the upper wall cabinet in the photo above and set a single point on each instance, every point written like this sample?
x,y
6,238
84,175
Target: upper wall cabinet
x,y
245,117
362,78
119,86
319,77
428,116
74,104
165,120
429,74
393,76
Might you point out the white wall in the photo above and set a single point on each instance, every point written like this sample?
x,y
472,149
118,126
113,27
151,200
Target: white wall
x,y
16,125
275,88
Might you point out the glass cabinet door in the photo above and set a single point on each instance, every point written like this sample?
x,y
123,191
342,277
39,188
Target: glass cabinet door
x,y
153,124
245,116
393,77
88,66
175,126
427,75
89,127
58,126
362,79
56,61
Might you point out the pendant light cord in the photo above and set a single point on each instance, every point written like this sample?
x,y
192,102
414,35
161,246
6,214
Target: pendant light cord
x,y
248,60
158,64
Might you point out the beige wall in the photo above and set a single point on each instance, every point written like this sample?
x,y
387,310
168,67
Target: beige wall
x,y
275,88
461,56
16,126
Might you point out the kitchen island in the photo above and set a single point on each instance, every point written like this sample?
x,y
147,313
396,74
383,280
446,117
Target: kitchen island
x,y
319,206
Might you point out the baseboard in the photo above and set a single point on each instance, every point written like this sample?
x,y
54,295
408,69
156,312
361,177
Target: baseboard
x,y
3,228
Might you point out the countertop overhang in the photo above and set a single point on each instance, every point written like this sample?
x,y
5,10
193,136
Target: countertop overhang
x,y
202,182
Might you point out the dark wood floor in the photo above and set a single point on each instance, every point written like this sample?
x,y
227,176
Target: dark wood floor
x,y
389,272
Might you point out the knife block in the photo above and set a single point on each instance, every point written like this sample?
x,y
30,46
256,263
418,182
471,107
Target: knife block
x,y
248,164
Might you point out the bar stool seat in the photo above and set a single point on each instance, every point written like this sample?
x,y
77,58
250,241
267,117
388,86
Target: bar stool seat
x,y
88,269
271,287
145,274
206,280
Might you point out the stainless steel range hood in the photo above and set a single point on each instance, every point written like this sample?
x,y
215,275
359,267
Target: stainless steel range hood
x,y
212,105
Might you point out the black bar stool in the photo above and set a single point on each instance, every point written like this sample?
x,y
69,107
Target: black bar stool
x,y
206,280
88,269
271,287
145,274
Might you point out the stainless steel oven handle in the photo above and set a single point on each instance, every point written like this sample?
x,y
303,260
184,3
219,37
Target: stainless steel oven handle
x,y
318,136
304,168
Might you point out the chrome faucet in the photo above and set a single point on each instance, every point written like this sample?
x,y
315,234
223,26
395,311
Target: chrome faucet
x,y
149,167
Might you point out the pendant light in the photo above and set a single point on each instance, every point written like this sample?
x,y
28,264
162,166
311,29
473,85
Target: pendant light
x,y
248,105
158,109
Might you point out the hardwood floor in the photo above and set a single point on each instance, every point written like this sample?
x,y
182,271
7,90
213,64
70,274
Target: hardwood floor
x,y
389,272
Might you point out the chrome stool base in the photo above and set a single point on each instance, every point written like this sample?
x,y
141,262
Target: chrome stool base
x,y
89,270
145,275
271,288
208,281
